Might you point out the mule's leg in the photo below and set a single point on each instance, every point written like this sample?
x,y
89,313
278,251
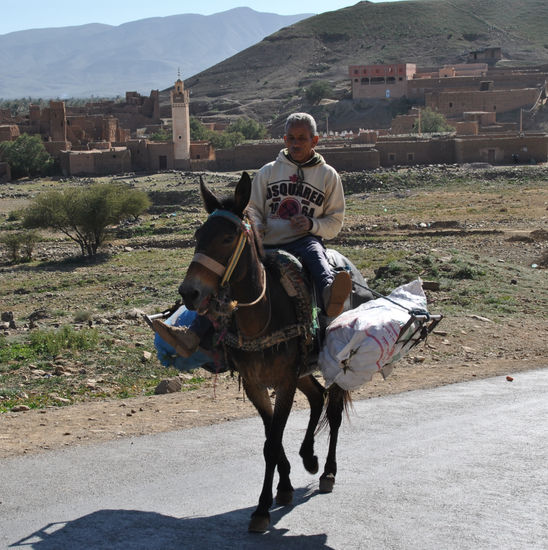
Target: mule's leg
x,y
314,393
273,451
336,401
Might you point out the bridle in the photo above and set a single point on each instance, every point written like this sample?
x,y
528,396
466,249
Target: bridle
x,y
225,272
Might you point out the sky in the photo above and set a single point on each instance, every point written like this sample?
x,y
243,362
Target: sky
x,y
33,14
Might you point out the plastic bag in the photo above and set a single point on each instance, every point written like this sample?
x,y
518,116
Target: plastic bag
x,y
166,353
368,339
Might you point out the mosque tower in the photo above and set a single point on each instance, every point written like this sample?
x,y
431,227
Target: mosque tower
x,y
181,126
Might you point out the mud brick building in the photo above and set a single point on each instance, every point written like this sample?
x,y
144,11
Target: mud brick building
x,y
381,81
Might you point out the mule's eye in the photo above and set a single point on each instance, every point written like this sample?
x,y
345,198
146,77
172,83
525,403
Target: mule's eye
x,y
227,239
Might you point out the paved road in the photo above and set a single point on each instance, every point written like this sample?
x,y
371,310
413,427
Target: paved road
x,y
459,467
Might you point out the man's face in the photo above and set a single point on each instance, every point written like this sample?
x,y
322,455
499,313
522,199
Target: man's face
x,y
300,142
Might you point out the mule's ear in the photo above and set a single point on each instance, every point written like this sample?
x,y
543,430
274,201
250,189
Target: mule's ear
x,y
242,193
211,202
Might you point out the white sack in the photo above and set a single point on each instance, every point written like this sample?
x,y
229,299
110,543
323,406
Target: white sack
x,y
362,341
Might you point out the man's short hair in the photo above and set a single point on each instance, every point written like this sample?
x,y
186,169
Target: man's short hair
x,y
301,118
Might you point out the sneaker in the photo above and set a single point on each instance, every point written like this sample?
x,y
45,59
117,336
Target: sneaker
x,y
184,340
335,295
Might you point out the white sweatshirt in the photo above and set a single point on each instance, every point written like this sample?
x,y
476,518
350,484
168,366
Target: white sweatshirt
x,y
282,189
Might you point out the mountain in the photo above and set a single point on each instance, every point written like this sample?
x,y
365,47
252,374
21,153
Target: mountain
x,y
265,81
105,60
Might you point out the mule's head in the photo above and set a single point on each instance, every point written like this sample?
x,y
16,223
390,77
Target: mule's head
x,y
216,242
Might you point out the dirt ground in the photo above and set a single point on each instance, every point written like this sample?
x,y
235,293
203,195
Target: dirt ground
x,y
220,400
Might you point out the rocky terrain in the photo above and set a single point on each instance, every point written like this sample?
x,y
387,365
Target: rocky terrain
x,y
478,235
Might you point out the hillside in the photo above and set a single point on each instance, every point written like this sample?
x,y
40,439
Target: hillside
x,y
105,60
265,81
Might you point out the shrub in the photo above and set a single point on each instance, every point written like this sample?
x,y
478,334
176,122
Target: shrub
x,y
20,242
317,91
84,213
431,122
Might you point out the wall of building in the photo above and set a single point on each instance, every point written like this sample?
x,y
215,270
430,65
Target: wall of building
x,y
160,156
467,128
247,156
380,81
201,150
403,124
95,163
415,150
54,148
500,149
9,132
455,103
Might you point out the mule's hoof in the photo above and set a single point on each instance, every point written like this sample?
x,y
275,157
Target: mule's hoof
x,y
284,498
311,464
326,483
259,524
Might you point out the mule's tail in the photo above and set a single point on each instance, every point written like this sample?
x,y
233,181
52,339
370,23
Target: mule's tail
x,y
336,402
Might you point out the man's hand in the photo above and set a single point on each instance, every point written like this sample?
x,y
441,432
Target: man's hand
x,y
301,222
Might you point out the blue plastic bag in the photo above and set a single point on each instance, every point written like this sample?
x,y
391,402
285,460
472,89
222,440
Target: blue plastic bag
x,y
167,355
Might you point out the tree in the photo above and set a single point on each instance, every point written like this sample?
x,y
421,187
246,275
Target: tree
x,y
235,134
198,131
84,213
161,135
431,122
26,156
249,128
317,91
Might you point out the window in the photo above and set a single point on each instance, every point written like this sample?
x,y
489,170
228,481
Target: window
x,y
410,157
392,156
450,104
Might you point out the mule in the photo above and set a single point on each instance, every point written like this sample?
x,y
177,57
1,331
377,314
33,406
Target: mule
x,y
230,276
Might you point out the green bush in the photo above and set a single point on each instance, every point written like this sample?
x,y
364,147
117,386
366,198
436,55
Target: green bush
x,y
26,156
431,122
317,91
84,213
20,244
51,342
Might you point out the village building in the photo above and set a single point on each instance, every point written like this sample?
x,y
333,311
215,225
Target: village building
x,y
110,137
381,81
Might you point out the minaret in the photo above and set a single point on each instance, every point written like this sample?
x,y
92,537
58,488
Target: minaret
x,y
180,123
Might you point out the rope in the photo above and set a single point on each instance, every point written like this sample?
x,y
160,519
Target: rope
x,y
379,295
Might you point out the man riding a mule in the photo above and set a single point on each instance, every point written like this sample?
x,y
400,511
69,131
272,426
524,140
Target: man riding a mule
x,y
296,201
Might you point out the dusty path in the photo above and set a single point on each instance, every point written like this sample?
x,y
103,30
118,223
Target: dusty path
x,y
218,401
